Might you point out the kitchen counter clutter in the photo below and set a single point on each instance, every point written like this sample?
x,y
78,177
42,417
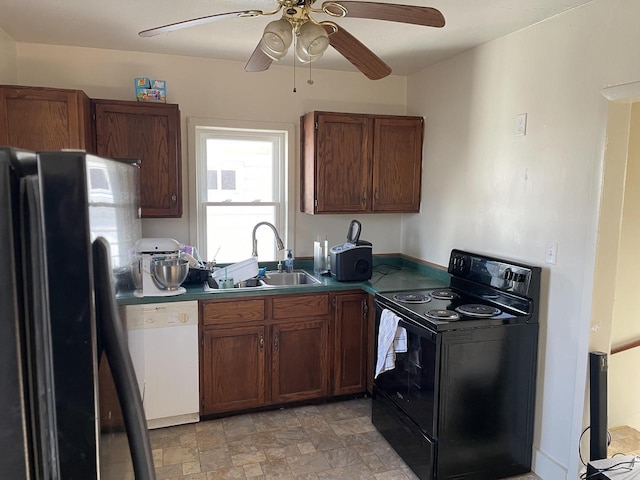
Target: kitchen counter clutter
x,y
393,274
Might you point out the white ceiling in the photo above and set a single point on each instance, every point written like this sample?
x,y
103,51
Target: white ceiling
x,y
114,24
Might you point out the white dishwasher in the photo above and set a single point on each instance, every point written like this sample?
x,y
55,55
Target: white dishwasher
x,y
163,340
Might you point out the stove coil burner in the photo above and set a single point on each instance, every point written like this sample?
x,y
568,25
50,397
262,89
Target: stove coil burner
x,y
444,294
478,310
447,315
411,298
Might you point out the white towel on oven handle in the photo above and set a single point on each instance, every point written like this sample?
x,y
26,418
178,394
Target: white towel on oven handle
x,y
391,339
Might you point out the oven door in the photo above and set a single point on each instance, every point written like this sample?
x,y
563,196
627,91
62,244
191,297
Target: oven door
x,y
411,385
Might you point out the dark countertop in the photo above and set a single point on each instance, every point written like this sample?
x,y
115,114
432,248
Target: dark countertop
x,y
393,274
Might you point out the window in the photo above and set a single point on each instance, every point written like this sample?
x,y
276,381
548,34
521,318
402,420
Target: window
x,y
241,180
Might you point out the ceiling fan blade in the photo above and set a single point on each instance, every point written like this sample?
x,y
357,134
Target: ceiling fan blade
x,y
427,16
360,56
197,21
258,62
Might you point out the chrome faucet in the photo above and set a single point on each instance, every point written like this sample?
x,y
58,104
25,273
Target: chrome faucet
x,y
279,243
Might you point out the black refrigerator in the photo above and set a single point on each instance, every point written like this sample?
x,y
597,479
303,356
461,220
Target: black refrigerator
x,y
70,407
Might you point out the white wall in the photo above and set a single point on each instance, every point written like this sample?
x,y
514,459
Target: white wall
x,y
486,190
222,90
8,59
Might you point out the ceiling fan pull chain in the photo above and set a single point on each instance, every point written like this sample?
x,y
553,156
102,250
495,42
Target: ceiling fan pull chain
x,y
295,44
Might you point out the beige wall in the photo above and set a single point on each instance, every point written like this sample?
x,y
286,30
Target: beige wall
x,y
626,326
488,190
624,389
222,90
8,59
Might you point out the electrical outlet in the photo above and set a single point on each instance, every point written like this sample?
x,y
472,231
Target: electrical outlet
x,y
551,252
521,124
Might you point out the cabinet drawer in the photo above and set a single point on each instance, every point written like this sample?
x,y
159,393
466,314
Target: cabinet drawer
x,y
301,306
233,311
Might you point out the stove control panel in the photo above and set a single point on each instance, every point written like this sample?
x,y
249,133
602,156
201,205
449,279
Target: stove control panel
x,y
491,272
458,264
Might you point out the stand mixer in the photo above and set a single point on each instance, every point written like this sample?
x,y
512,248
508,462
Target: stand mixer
x,y
152,257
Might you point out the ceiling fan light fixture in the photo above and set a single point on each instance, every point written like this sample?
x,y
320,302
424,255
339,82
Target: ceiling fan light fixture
x,y
303,56
276,39
270,53
313,39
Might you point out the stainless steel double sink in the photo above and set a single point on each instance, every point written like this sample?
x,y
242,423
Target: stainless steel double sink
x,y
297,278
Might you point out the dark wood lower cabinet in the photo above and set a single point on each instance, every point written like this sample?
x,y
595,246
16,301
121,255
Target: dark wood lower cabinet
x,y
272,350
350,349
299,361
232,369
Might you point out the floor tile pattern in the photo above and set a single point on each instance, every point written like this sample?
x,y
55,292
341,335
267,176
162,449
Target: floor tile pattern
x,y
318,442
625,440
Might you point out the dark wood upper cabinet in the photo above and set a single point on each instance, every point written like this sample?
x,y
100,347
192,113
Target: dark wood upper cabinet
x,y
38,118
358,163
397,164
151,134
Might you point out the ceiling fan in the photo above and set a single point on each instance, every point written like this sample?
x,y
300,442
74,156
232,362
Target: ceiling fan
x,y
313,37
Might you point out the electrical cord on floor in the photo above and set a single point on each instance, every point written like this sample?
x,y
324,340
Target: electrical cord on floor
x,y
627,465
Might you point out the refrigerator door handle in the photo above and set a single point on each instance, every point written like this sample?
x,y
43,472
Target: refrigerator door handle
x,y
114,343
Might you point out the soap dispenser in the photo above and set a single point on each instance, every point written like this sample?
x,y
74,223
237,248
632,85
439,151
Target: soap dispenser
x,y
288,261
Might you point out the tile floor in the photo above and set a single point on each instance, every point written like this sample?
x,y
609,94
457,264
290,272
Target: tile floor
x,y
625,440
328,441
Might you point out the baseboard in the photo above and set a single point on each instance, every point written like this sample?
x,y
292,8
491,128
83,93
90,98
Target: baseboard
x,y
171,421
548,468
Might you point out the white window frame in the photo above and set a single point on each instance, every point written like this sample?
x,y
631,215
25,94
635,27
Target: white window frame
x,y
197,134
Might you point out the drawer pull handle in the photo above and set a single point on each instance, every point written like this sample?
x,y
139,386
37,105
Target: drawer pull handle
x,y
276,342
261,343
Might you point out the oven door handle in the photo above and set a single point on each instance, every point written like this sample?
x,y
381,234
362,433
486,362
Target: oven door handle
x,y
406,323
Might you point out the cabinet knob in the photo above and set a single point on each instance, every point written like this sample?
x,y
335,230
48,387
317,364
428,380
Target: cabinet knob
x,y
174,199
276,342
261,343
364,196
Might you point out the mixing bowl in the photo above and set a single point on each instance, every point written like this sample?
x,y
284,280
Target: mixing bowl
x,y
169,274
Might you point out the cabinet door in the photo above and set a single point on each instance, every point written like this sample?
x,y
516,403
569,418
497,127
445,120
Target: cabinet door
x,y
37,118
342,163
299,361
151,134
232,371
350,344
397,164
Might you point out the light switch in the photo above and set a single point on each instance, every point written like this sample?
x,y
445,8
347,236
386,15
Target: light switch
x,y
521,124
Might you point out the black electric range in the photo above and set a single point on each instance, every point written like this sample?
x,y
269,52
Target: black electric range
x,y
483,291
458,402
